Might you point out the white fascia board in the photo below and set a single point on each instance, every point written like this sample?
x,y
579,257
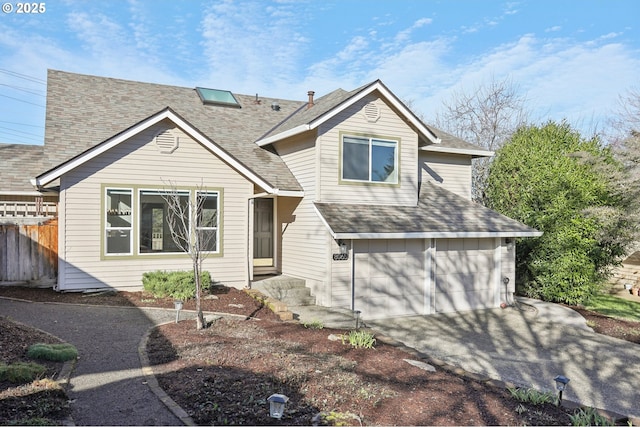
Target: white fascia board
x,y
452,150
390,97
326,224
92,153
286,134
348,103
436,235
22,193
288,193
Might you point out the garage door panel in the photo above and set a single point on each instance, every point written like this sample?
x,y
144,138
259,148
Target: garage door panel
x,y
464,274
389,279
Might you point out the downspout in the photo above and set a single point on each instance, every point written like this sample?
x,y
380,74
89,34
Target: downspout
x,y
353,278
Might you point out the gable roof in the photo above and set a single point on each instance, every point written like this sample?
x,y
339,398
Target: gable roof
x,y
333,104
84,111
438,214
19,161
167,113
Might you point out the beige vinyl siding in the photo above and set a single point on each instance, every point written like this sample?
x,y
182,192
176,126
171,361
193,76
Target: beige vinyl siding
x,y
452,171
507,270
341,277
388,126
304,236
139,163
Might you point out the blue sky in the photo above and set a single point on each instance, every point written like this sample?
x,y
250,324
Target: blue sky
x,y
570,58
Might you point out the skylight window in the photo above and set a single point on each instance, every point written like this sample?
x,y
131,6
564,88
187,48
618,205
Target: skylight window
x,y
217,97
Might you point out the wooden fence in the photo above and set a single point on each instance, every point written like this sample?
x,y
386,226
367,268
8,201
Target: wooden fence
x,y
29,253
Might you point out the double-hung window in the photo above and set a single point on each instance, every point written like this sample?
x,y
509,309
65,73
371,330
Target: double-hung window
x,y
118,221
369,159
207,221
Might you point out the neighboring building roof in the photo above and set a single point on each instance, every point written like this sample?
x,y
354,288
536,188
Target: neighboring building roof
x,y
439,214
19,163
83,111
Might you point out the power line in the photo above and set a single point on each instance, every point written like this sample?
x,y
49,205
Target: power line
x,y
22,124
23,76
23,89
21,131
22,100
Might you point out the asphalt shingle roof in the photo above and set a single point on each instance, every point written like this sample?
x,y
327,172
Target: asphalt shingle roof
x,y
83,111
19,163
438,211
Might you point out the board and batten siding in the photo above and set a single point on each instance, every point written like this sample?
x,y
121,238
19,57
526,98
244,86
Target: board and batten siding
x,y
138,162
388,125
304,236
452,171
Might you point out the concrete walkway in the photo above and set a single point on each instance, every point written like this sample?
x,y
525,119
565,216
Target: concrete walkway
x,y
107,385
529,346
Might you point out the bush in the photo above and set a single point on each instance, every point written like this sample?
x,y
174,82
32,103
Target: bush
x,y
359,339
21,372
175,284
54,352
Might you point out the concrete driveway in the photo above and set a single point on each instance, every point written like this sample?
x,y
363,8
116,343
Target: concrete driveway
x,y
529,346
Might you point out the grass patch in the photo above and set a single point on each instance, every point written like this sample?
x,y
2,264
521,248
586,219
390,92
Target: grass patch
x,y
54,352
531,396
613,306
589,417
314,324
359,339
21,372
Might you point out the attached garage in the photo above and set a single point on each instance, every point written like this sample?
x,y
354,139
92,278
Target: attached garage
x,y
389,277
442,255
465,275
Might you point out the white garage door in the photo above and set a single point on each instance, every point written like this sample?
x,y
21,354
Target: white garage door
x,y
464,274
389,277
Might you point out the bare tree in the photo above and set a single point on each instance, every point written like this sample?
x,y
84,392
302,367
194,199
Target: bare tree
x,y
192,222
487,116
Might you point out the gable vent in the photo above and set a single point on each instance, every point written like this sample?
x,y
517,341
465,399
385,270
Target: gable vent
x,y
371,112
166,141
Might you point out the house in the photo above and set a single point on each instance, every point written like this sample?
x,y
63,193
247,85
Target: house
x,y
350,192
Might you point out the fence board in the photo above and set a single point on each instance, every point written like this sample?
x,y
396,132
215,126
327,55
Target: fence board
x,y
29,252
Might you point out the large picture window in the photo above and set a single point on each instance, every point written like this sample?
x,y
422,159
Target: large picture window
x,y
152,222
369,159
155,230
118,221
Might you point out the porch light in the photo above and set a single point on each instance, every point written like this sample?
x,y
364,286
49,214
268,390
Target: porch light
x,y
178,306
277,403
344,250
561,384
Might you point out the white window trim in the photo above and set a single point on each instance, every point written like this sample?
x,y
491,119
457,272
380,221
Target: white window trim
x,y
107,228
370,140
217,226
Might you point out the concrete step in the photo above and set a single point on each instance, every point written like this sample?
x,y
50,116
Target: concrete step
x,y
289,290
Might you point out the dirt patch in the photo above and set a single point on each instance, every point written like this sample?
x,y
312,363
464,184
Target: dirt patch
x,y
225,373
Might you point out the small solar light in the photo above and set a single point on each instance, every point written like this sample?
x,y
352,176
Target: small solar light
x,y
277,403
561,384
178,306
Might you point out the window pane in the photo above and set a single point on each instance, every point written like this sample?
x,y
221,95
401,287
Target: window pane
x,y
118,241
383,160
208,214
118,205
208,239
157,221
355,159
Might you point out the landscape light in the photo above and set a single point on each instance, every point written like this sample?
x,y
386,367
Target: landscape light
x,y
277,403
561,384
178,306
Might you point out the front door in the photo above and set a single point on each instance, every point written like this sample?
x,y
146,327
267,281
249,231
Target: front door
x,y
263,233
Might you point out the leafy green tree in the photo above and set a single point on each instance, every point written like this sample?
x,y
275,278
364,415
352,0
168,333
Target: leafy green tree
x,y
553,179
